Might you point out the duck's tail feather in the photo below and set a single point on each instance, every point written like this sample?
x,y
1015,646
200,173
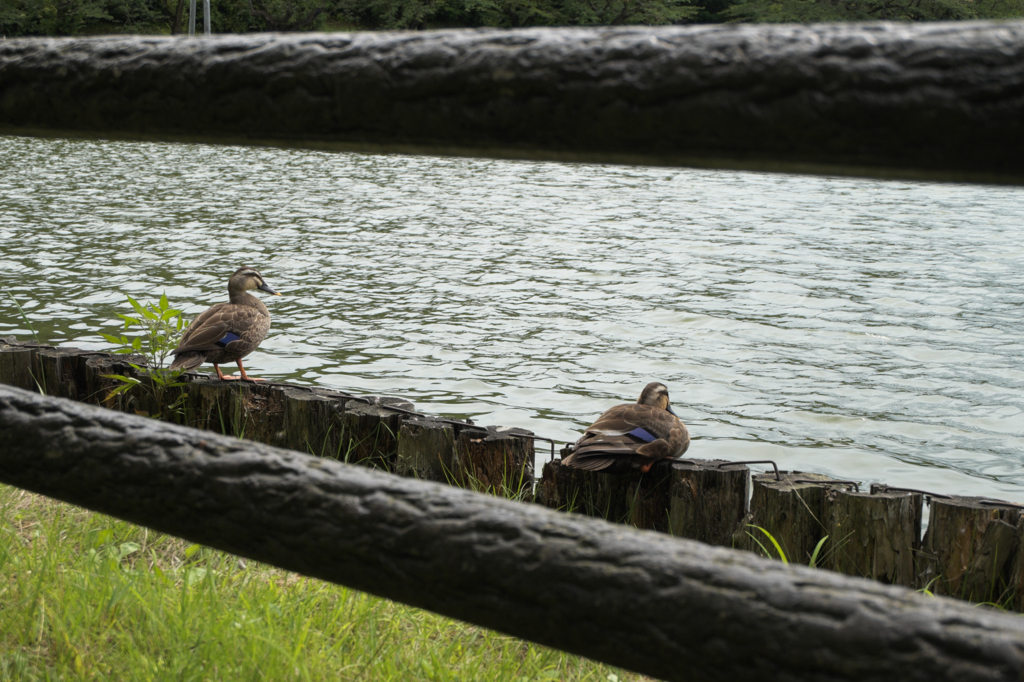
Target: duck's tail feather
x,y
188,360
592,463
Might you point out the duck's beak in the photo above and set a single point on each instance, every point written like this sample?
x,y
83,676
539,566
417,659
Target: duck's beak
x,y
264,287
668,408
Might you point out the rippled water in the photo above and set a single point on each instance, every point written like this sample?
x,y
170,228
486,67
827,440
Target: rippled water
x,y
858,328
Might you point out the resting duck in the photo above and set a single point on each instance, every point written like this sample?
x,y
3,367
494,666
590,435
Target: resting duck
x,y
227,332
632,436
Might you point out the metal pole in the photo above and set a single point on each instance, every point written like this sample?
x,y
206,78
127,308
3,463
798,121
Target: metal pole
x,y
206,17
192,18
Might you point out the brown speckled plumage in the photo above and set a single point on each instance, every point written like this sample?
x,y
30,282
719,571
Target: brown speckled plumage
x,y
611,444
227,332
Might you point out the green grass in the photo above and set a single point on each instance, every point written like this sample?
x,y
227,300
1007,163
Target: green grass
x,y
84,596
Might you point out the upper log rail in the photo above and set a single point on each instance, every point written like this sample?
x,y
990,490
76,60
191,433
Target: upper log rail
x,y
672,608
938,101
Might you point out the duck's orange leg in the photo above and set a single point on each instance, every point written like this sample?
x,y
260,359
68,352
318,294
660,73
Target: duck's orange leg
x,y
244,375
222,376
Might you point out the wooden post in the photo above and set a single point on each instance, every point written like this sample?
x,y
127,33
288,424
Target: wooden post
x,y
498,460
370,435
790,508
968,549
17,365
210,407
708,500
312,422
97,386
61,371
426,450
873,535
635,499
259,410
1017,568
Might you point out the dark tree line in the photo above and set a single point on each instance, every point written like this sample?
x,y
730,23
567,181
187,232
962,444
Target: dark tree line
x,y
83,17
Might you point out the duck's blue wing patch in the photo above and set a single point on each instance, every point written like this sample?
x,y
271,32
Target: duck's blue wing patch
x,y
228,338
643,434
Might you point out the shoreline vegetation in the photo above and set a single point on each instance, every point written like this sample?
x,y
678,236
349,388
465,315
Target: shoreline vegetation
x,y
170,17
86,596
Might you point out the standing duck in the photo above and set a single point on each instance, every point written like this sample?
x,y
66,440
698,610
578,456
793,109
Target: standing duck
x,y
632,436
227,332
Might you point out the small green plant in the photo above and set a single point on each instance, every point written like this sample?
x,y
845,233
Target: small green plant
x,y
775,543
161,328
813,563
817,549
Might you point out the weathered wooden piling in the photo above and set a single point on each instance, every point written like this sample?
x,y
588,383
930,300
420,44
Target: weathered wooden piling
x,y
968,549
873,535
310,422
699,499
426,450
790,508
636,499
361,430
708,500
496,459
971,550
16,365
369,434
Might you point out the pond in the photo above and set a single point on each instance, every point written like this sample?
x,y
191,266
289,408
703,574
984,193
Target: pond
x,y
859,328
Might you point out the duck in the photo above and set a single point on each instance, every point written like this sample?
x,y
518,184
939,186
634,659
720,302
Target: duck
x,y
227,332
632,436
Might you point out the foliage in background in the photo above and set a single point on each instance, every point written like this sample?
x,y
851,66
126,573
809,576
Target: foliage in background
x,y
871,10
84,17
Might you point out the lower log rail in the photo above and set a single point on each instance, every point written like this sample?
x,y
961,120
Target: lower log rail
x,y
666,607
972,551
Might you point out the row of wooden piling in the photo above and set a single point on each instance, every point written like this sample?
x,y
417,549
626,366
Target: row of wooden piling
x,y
971,549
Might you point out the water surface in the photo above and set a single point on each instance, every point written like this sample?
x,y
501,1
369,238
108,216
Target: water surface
x,y
864,329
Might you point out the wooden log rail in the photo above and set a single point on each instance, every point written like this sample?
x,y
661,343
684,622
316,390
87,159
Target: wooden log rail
x,y
672,608
972,549
930,100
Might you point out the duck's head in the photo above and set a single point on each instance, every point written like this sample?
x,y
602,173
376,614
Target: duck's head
x,y
655,394
247,279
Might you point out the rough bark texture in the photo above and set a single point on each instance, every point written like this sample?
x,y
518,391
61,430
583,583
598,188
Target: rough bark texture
x,y
968,549
426,450
635,499
873,535
495,461
16,366
790,510
668,607
932,100
1017,570
708,500
370,432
